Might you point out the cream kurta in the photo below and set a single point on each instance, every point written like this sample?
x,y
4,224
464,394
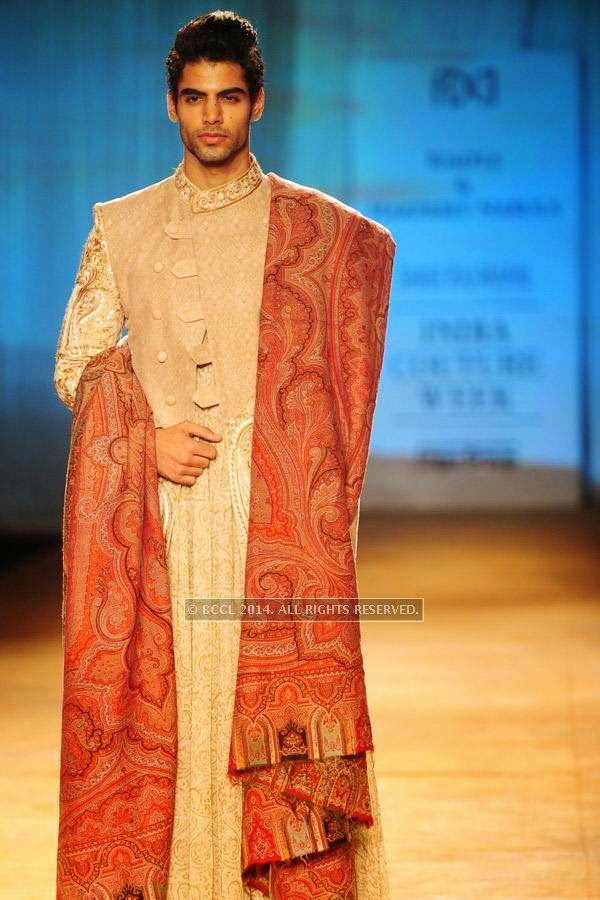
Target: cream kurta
x,y
205,526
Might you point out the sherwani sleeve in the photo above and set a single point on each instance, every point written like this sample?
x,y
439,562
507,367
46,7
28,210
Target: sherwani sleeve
x,y
94,317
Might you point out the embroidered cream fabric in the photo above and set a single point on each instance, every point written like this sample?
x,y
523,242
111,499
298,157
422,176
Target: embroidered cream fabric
x,y
205,526
94,317
201,200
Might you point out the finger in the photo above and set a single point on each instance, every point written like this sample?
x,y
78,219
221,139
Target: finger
x,y
199,462
202,431
201,450
178,478
198,459
194,468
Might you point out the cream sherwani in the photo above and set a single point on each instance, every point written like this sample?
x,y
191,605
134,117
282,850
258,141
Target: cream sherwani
x,y
205,525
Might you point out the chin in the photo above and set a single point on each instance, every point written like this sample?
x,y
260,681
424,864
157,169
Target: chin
x,y
213,154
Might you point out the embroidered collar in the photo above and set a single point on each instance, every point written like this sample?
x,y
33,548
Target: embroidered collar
x,y
201,200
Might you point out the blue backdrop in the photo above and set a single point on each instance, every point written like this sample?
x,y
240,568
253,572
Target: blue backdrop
x,y
86,121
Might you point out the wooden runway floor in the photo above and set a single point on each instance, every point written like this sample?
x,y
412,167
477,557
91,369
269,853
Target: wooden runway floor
x,y
486,716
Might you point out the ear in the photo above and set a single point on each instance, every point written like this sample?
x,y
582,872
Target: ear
x,y
258,106
171,110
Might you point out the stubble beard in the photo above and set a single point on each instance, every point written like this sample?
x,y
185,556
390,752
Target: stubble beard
x,y
213,154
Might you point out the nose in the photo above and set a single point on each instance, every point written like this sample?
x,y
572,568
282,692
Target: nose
x,y
212,111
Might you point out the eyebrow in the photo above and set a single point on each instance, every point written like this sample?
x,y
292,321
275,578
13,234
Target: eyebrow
x,y
195,92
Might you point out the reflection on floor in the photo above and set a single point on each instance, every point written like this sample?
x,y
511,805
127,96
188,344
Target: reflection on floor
x,y
485,715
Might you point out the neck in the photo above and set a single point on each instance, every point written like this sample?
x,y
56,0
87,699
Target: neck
x,y
207,176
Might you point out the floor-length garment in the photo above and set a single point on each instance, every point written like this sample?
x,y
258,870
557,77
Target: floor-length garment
x,y
206,530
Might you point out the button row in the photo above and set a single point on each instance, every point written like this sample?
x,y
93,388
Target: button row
x,y
206,396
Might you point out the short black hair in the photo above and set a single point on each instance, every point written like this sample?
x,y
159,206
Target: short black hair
x,y
219,36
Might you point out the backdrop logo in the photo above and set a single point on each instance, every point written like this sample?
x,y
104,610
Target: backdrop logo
x,y
454,86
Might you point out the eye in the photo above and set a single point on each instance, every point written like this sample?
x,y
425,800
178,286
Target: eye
x,y
191,98
233,97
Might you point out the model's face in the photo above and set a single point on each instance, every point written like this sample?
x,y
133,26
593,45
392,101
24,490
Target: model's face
x,y
213,99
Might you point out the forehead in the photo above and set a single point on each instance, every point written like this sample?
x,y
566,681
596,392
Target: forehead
x,y
206,75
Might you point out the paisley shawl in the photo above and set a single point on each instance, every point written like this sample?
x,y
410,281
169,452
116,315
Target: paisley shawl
x,y
301,724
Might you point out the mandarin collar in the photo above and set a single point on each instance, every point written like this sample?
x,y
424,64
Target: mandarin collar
x,y
214,198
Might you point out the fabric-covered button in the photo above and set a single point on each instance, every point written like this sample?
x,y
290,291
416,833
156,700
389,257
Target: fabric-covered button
x,y
206,396
189,312
156,314
177,229
170,400
161,355
158,266
201,354
184,268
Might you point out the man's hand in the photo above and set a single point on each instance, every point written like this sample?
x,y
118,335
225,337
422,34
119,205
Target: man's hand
x,y
182,451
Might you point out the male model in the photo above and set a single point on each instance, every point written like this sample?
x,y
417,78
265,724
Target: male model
x,y
190,265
